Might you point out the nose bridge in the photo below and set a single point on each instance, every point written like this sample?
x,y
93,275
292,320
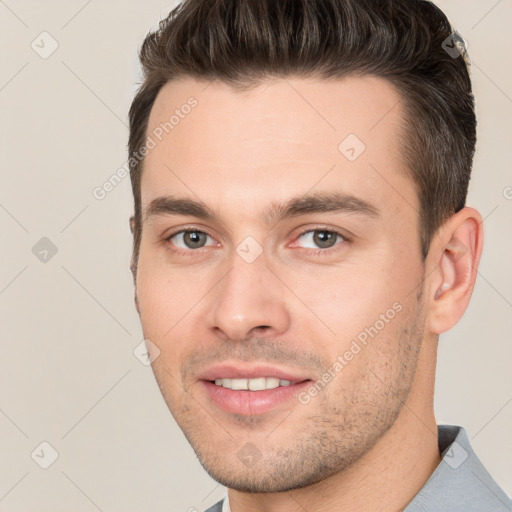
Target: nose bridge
x,y
249,296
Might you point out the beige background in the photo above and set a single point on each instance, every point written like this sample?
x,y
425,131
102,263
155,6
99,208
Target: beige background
x,y
68,375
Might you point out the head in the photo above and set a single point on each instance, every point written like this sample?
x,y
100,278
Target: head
x,y
319,160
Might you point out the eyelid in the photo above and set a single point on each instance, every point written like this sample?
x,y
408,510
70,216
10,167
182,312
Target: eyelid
x,y
337,232
185,229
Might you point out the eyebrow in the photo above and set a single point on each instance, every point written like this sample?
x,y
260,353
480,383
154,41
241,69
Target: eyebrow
x,y
294,207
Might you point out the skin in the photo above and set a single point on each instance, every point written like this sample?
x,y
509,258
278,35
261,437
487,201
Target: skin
x,y
368,440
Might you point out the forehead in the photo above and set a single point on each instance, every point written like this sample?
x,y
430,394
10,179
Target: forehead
x,y
283,137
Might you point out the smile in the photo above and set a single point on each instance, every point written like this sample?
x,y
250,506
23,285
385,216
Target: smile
x,y
258,384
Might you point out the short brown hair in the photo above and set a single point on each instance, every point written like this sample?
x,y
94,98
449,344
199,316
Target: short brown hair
x,y
407,42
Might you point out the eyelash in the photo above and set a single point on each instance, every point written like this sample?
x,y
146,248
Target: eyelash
x,y
318,252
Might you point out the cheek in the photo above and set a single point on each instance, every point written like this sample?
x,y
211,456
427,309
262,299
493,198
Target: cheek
x,y
362,300
165,295
346,298
169,299
162,311
156,306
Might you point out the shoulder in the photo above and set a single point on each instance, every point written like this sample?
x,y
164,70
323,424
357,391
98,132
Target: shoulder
x,y
215,508
460,483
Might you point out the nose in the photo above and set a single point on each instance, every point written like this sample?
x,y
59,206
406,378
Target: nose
x,y
249,301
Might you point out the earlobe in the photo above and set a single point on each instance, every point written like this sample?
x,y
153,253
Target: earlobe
x,y
132,262
133,268
457,254
136,300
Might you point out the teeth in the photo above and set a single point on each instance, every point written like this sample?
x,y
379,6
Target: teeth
x,y
235,383
258,384
272,383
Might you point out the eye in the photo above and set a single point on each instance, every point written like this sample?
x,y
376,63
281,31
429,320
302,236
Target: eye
x,y
320,238
189,239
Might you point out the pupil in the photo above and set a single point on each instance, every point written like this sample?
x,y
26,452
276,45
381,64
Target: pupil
x,y
324,238
193,239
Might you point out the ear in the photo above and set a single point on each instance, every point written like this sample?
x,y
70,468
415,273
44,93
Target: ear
x,y
136,301
133,267
455,255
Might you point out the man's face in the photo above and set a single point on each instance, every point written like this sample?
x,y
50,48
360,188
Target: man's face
x,y
324,295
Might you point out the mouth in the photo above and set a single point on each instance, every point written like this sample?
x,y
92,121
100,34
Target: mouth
x,y
257,384
249,391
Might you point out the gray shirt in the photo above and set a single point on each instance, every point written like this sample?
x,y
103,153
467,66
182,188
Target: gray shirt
x,y
460,483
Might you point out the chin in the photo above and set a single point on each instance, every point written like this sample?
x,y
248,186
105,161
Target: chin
x,y
275,475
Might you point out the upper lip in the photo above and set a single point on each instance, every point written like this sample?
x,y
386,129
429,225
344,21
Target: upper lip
x,y
245,371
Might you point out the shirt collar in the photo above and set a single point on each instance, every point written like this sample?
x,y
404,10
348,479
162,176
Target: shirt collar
x,y
460,483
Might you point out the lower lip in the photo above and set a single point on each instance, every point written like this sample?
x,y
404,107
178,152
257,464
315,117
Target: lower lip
x,y
250,403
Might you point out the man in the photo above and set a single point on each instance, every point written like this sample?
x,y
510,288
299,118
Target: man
x,y
300,171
